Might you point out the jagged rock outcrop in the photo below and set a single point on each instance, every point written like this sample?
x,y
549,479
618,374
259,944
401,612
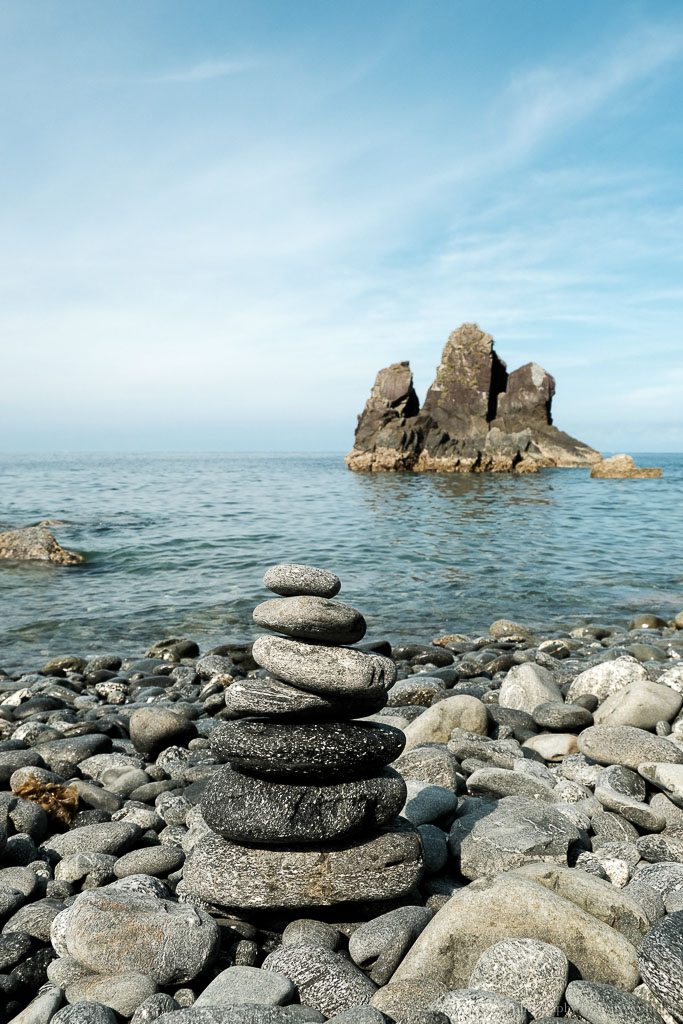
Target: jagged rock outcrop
x,y
621,467
35,543
476,417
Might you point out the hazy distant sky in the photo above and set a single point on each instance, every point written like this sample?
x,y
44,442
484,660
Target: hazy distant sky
x,y
220,219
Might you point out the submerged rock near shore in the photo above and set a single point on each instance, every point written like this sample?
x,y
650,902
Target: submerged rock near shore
x,y
37,544
476,417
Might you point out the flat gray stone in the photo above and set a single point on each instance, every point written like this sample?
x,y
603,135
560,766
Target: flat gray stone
x,y
112,931
379,945
325,980
495,783
289,579
626,745
248,809
152,860
562,717
469,1006
529,971
311,618
318,749
385,865
406,1001
41,1009
605,1004
320,668
107,837
247,985
34,919
504,835
282,702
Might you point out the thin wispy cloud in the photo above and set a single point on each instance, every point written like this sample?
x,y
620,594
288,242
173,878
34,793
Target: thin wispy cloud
x,y
269,253
206,71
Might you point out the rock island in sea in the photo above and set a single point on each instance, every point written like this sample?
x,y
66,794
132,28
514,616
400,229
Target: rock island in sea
x,y
476,417
220,839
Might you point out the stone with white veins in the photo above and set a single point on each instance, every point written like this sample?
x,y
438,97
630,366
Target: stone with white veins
x,y
285,703
323,669
311,618
317,749
248,809
325,980
290,579
532,972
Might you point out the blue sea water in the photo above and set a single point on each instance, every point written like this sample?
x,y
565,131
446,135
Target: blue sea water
x,y
177,544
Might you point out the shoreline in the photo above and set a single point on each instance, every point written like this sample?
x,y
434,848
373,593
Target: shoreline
x,y
522,766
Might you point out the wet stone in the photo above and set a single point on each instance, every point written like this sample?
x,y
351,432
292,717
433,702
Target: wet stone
x,y
246,808
320,750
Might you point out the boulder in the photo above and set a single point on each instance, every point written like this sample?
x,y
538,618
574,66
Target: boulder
x,y
512,906
35,543
620,467
475,417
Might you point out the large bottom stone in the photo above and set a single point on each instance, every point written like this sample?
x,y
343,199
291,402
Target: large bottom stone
x,y
249,809
326,750
383,866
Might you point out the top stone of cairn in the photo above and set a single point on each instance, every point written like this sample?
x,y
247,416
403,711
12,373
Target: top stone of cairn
x,y
292,580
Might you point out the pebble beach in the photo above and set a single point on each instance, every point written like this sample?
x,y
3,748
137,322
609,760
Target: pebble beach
x,y
321,825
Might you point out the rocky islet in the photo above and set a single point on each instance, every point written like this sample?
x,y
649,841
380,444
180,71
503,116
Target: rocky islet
x,y
535,870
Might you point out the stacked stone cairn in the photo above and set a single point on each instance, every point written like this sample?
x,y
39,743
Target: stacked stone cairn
x,y
304,812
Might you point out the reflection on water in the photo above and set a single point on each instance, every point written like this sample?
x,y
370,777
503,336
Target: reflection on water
x,y
177,545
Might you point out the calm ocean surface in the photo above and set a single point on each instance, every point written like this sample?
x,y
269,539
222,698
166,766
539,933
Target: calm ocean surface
x,y
177,544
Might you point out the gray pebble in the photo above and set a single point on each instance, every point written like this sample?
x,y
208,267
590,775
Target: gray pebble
x,y
247,985
85,1013
660,959
155,860
470,1006
153,1007
283,702
309,932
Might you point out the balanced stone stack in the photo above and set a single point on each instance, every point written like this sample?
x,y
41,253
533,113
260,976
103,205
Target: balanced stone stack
x,y
304,812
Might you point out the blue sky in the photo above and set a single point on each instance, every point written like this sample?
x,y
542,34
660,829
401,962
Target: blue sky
x,y
220,219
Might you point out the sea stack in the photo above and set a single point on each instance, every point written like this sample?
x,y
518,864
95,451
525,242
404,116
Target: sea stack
x,y
304,811
476,417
